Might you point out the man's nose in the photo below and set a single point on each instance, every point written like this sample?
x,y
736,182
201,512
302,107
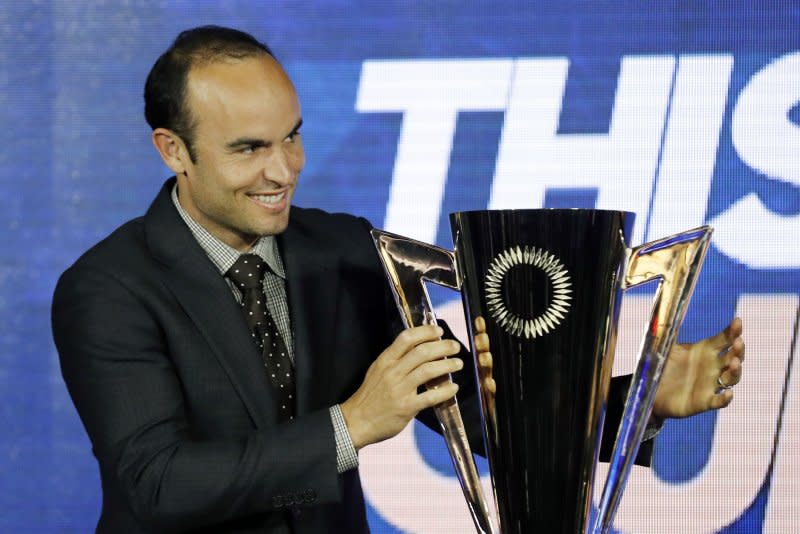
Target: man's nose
x,y
278,167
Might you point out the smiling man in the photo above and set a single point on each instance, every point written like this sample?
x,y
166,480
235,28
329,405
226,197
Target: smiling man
x,y
217,404
229,354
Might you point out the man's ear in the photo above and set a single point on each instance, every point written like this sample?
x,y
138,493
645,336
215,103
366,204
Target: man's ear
x,y
172,150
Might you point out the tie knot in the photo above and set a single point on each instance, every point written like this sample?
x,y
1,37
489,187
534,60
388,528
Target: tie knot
x,y
248,271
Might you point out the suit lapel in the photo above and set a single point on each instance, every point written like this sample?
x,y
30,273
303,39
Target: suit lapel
x,y
312,285
207,300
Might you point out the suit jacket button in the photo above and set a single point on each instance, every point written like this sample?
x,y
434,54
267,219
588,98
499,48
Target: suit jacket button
x,y
277,501
309,496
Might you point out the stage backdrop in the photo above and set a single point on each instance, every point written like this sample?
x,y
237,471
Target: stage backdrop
x,y
683,112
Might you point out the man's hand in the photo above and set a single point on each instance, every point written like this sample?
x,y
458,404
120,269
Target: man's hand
x,y
388,399
689,384
485,363
695,374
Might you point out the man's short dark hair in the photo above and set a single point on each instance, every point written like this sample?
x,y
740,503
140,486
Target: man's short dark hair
x,y
165,90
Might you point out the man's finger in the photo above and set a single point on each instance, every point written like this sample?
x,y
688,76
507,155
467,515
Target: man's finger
x,y
735,354
735,328
723,339
737,349
432,397
431,370
426,352
481,343
732,374
731,364
410,338
490,385
721,400
480,325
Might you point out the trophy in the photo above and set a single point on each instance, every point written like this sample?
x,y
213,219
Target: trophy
x,y
548,285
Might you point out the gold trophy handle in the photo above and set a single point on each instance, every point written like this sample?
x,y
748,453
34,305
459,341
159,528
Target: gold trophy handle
x,y
675,261
408,264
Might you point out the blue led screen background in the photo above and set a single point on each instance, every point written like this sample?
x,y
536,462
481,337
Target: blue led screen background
x,y
685,112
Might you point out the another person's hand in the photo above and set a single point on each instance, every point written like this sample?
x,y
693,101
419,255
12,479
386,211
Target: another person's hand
x,y
699,376
388,398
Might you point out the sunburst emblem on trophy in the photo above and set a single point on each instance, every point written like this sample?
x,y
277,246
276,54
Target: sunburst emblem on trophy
x,y
528,312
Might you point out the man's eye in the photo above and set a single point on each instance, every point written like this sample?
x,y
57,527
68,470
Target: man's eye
x,y
248,150
292,137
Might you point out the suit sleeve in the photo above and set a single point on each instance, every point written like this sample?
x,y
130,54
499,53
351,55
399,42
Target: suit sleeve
x,y
616,405
115,361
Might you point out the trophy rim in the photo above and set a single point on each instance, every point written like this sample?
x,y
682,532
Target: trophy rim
x,y
545,210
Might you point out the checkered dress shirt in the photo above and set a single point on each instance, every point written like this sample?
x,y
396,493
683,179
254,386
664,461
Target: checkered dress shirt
x,y
223,257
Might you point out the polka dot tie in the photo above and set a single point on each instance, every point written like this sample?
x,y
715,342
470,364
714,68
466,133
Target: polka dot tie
x,y
248,275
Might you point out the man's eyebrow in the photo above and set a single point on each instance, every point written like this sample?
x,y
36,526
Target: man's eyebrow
x,y
259,143
296,128
247,142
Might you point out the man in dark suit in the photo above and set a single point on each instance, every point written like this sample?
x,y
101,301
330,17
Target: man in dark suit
x,y
191,427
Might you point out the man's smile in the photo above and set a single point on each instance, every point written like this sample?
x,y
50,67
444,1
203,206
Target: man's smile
x,y
273,201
